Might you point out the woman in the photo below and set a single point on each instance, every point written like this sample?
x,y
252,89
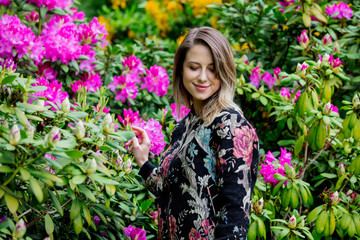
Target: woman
x,y
206,177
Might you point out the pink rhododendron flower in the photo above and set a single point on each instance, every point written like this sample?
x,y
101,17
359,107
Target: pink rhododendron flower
x,y
272,165
285,93
92,82
45,70
303,39
244,59
129,117
255,77
77,15
154,217
17,39
32,17
51,4
88,64
124,88
340,10
135,233
8,63
286,3
183,112
92,32
52,93
97,220
133,64
301,69
277,71
268,79
5,3
156,80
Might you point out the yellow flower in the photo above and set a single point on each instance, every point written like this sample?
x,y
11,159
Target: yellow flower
x,y
236,46
199,6
285,27
161,18
213,22
173,7
131,34
317,34
108,27
180,39
117,3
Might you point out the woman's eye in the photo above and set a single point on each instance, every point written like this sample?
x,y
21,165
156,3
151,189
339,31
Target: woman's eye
x,y
193,68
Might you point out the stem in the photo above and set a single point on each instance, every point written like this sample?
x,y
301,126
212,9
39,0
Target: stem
x,y
39,156
346,183
39,28
10,179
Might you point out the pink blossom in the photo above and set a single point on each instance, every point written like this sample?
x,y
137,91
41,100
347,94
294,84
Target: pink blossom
x,y
17,39
97,220
44,69
286,3
129,117
52,93
124,88
285,92
277,71
77,15
92,32
340,10
255,77
272,165
88,64
154,217
244,59
133,64
135,233
8,63
32,17
92,82
268,79
51,4
179,115
156,80
5,3
154,130
297,95
48,156
303,39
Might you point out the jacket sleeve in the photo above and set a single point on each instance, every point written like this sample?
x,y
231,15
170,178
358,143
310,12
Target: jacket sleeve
x,y
150,174
236,145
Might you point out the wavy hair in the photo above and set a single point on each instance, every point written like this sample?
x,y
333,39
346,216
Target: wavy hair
x,y
224,69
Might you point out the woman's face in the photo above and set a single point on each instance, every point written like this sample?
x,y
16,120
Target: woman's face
x,y
199,76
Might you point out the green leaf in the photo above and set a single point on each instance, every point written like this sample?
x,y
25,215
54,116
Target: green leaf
x,y
329,175
84,190
280,177
74,154
49,225
298,145
286,142
123,136
68,144
278,186
76,116
103,180
146,204
75,208
5,169
8,80
78,179
56,203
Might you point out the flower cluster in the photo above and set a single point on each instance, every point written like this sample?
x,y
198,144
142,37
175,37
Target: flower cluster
x,y
92,82
272,165
52,93
156,80
135,233
18,40
9,64
124,86
286,3
285,93
340,10
5,3
152,127
329,60
179,115
256,77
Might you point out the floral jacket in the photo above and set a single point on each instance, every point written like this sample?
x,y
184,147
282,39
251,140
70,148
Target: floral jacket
x,y
205,179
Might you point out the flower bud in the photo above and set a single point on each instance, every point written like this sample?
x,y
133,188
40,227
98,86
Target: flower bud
x,y
341,169
108,124
292,222
326,40
40,103
127,166
20,229
79,130
244,59
65,105
30,132
91,168
336,47
325,58
5,124
318,64
335,199
301,69
259,206
119,164
14,135
302,223
154,217
9,65
327,109
100,141
291,173
356,101
303,39
53,136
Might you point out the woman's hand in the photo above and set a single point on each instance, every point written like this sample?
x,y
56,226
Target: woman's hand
x,y
140,147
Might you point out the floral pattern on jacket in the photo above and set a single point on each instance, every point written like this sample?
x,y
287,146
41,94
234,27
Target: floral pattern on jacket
x,y
205,179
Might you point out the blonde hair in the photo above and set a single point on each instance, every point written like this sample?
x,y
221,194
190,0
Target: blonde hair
x,y
224,68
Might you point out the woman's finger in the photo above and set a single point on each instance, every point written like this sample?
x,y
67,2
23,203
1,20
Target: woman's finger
x,y
143,134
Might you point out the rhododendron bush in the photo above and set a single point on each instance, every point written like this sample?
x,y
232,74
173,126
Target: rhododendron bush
x,y
68,99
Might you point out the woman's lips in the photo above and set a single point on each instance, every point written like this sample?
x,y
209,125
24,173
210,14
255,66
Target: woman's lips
x,y
201,88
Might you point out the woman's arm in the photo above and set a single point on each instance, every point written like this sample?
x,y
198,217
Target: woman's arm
x,y
236,144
